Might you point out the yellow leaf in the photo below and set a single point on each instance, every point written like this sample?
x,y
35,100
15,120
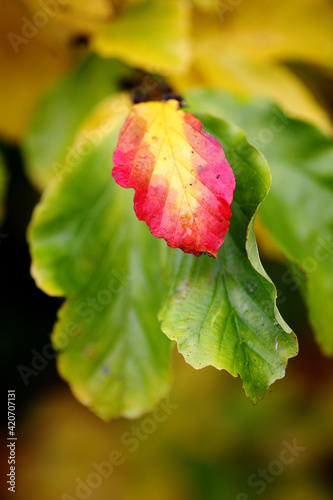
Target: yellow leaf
x,y
271,80
242,48
206,5
80,17
152,35
30,59
283,30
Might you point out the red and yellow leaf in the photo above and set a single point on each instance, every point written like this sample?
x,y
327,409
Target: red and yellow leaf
x,y
182,180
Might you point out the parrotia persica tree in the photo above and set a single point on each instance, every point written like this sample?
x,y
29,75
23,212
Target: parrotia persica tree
x,y
182,264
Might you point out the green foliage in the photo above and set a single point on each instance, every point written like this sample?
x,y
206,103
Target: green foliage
x,y
87,245
298,211
221,312
84,234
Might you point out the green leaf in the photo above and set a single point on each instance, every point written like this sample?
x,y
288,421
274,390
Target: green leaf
x,y
61,111
151,35
87,245
222,312
298,211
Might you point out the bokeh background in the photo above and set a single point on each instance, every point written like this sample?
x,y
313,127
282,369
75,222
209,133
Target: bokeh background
x,y
211,444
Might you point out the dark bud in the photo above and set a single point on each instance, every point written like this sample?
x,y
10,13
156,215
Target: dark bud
x,y
173,95
81,41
